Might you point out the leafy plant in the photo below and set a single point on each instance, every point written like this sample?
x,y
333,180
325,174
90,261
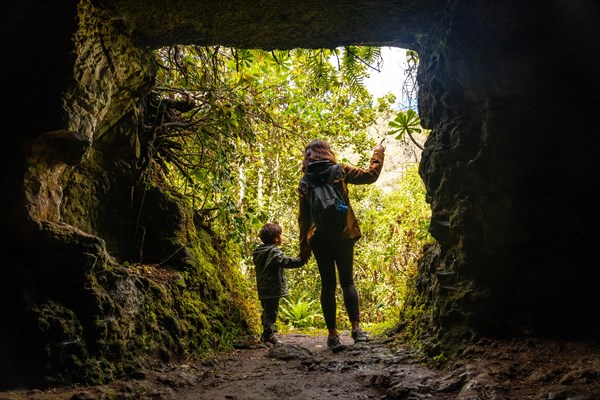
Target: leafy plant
x,y
406,122
300,312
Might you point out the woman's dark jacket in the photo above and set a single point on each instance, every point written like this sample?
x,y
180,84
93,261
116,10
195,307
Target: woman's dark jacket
x,y
317,171
270,262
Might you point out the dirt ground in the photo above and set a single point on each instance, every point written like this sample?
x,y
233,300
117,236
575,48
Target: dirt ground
x,y
304,368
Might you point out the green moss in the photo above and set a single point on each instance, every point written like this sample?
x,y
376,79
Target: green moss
x,y
187,298
139,314
433,319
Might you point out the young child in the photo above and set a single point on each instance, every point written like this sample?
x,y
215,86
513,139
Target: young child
x,y
271,282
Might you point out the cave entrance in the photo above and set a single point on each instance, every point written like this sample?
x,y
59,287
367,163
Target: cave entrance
x,y
235,125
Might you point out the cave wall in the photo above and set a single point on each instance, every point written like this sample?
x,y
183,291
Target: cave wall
x,y
105,272
507,89
508,172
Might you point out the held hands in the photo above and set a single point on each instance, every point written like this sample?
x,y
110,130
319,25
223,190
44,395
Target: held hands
x,y
305,256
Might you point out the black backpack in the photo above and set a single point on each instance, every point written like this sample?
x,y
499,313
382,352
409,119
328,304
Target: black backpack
x,y
327,207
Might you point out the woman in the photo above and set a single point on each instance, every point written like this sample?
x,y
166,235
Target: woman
x,y
334,250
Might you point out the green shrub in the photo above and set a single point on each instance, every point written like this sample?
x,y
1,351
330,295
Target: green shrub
x,y
300,312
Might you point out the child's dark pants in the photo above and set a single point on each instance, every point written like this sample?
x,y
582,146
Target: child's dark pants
x,y
269,315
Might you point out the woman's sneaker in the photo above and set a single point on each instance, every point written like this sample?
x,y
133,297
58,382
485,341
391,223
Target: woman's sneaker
x,y
334,341
359,336
271,339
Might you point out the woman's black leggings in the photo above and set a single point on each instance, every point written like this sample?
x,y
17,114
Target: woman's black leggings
x,y
328,255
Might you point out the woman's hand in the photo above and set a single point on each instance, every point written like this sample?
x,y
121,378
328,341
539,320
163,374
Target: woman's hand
x,y
380,146
305,255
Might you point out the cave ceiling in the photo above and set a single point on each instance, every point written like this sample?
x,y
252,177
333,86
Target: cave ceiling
x,y
278,24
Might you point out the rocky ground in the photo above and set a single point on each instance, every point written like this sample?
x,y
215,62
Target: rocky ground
x,y
304,368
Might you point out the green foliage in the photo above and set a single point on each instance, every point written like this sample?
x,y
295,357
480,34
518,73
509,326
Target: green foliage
x,y
301,312
227,129
395,228
439,360
405,122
